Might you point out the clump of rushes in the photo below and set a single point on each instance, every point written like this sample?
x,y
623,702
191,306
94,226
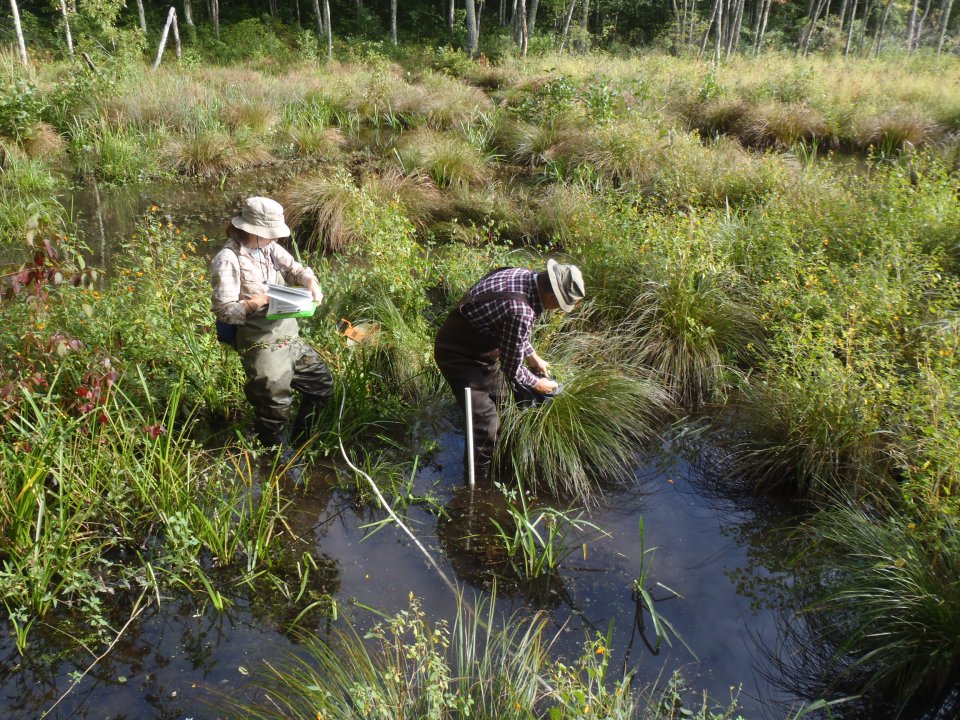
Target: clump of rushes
x,y
419,195
328,206
536,145
447,103
902,642
896,129
691,325
257,116
484,668
326,142
813,429
448,158
207,150
591,430
780,125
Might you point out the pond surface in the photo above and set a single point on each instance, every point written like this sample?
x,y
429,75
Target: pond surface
x,y
181,659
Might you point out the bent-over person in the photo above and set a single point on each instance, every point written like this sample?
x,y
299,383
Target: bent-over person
x,y
494,324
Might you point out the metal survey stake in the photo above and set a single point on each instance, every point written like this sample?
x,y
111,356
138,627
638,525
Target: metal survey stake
x,y
468,407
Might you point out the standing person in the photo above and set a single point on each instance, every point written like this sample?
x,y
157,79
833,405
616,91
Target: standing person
x,y
275,359
494,321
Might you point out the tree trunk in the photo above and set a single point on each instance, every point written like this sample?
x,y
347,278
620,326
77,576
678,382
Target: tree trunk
x,y
393,22
716,49
215,17
883,25
805,39
532,16
171,20
319,14
911,25
853,17
944,19
863,26
142,15
763,24
585,25
918,35
843,15
326,22
566,25
21,43
66,27
706,33
451,17
187,13
734,41
693,20
473,37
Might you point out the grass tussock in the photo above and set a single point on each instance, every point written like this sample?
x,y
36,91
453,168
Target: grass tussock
x,y
324,142
421,198
901,643
208,151
449,159
780,125
592,429
326,206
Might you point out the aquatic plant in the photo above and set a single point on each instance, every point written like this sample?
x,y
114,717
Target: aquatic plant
x,y
447,158
591,430
888,603
540,538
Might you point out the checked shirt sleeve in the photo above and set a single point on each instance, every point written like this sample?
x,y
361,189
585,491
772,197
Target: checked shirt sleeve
x,y
515,344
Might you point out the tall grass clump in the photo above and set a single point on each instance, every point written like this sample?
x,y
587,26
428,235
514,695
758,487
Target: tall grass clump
x,y
888,604
446,157
591,430
28,201
207,149
484,668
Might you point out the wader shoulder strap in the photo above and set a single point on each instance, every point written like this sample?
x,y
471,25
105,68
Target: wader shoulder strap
x,y
493,295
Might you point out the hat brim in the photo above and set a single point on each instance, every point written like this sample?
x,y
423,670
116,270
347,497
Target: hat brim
x,y
555,285
269,233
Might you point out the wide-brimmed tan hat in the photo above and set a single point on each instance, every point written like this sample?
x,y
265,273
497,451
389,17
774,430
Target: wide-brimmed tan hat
x,y
567,284
262,217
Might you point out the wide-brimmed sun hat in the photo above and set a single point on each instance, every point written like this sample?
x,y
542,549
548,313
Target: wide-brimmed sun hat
x,y
567,284
262,217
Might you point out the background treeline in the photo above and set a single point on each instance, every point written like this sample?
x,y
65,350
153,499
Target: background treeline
x,y
717,28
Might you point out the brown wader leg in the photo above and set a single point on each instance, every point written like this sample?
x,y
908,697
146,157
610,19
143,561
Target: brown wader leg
x,y
467,358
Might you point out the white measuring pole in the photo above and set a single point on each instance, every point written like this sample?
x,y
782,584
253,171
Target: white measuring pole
x,y
468,407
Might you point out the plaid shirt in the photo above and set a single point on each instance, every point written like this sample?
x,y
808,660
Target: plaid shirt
x,y
510,321
238,273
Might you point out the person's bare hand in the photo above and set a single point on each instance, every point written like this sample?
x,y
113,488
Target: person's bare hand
x,y
538,365
544,386
256,302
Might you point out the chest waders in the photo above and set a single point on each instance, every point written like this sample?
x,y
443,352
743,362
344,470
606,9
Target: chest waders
x,y
467,358
277,362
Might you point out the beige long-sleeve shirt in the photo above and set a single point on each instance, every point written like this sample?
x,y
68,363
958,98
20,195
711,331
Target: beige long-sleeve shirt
x,y
239,273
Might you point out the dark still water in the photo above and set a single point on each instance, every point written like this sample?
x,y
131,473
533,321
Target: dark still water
x,y
179,660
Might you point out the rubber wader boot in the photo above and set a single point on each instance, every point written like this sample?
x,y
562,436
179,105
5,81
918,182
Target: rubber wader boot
x,y
286,459
304,421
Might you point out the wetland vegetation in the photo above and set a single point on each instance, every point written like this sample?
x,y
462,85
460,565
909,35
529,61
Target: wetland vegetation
x,y
771,247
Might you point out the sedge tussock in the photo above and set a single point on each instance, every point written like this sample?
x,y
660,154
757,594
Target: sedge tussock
x,y
327,205
447,158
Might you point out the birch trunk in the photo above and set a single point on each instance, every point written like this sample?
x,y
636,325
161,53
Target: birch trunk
x,y
853,17
473,37
843,14
734,42
393,22
451,17
878,37
706,33
943,25
21,43
66,26
566,25
319,15
693,20
718,44
171,20
326,22
912,24
187,13
863,26
142,15
918,35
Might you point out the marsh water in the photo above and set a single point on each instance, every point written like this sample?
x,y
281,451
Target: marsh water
x,y
712,565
